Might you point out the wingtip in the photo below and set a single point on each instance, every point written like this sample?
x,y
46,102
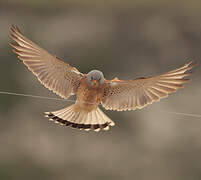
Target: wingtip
x,y
14,29
17,28
190,66
11,44
192,63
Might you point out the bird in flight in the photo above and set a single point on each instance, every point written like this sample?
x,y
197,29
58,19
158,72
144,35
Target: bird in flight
x,y
93,89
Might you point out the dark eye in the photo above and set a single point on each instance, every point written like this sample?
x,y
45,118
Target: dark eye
x,y
92,78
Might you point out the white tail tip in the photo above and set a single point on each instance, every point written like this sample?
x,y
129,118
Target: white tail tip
x,y
94,120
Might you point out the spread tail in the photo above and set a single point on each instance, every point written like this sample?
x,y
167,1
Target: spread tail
x,y
94,120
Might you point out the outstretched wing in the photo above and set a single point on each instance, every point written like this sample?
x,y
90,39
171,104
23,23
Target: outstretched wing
x,y
122,95
53,73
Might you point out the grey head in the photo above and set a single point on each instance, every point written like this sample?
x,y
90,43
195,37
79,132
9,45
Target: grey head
x,y
95,76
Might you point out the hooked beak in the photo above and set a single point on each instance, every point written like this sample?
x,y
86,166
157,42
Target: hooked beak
x,y
94,83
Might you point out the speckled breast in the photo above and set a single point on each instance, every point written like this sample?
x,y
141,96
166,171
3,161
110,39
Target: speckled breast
x,y
88,97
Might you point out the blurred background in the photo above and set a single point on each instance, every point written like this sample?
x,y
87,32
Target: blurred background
x,y
127,39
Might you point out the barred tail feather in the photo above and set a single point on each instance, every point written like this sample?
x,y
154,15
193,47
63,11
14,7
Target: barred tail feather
x,y
94,120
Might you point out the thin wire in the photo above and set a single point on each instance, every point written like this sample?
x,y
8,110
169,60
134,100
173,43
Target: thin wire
x,y
34,96
39,97
58,99
181,113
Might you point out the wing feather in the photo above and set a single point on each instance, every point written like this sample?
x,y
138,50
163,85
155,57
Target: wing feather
x,y
53,73
122,95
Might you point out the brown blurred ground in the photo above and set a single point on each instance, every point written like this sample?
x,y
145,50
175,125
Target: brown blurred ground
x,y
127,40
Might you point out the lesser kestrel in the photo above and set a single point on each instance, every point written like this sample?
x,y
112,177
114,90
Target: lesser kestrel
x,y
93,89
